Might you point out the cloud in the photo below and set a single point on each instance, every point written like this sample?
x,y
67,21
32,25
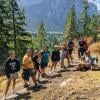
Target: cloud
x,y
97,2
98,6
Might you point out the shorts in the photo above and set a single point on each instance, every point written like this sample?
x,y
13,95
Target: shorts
x,y
27,73
13,76
43,65
70,51
55,60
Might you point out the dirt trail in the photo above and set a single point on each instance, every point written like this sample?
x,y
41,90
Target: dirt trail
x,y
82,86
64,85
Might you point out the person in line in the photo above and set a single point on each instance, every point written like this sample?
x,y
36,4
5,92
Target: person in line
x,y
55,57
36,60
66,54
12,67
62,57
45,55
81,49
28,70
85,46
70,46
86,62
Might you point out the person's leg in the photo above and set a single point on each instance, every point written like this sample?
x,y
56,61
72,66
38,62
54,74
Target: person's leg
x,y
38,78
25,77
32,73
38,75
71,50
14,83
42,70
34,79
82,52
62,63
25,82
7,87
68,61
79,53
55,64
52,65
15,76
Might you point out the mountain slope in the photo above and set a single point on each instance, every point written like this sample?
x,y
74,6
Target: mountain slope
x,y
53,13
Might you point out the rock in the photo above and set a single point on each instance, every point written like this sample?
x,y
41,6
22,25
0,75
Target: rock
x,y
72,93
64,83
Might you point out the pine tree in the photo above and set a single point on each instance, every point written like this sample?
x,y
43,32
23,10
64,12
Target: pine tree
x,y
54,40
93,26
84,20
70,24
12,26
4,33
40,39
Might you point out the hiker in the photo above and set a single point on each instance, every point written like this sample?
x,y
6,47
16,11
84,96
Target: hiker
x,y
45,54
28,70
12,67
62,56
66,54
36,60
70,46
55,57
81,44
86,62
85,46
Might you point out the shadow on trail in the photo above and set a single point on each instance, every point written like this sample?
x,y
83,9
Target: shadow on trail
x,y
45,81
55,76
61,71
24,96
36,89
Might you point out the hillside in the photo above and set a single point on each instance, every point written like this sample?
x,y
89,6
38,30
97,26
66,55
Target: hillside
x,y
53,13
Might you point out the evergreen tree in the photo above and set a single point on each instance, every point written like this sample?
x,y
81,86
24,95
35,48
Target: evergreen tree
x,y
54,40
70,24
4,29
12,26
84,21
40,39
94,25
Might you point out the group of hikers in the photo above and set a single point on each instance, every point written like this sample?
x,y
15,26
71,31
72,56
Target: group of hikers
x,y
35,63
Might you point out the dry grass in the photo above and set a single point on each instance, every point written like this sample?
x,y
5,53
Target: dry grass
x,y
95,48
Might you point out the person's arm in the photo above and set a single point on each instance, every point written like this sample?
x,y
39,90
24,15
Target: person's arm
x,y
25,62
18,65
52,55
33,59
59,55
73,44
7,69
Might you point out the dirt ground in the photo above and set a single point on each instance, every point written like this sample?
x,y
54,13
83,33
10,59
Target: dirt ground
x,y
80,86
62,85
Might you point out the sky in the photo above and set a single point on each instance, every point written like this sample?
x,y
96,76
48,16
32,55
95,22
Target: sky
x,y
30,2
97,2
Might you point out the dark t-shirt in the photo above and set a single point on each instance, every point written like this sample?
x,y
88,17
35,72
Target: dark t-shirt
x,y
45,56
70,45
81,43
11,66
35,60
55,56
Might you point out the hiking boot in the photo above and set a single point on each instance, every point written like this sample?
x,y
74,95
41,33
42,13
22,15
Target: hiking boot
x,y
4,98
64,67
26,85
36,86
14,92
44,76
